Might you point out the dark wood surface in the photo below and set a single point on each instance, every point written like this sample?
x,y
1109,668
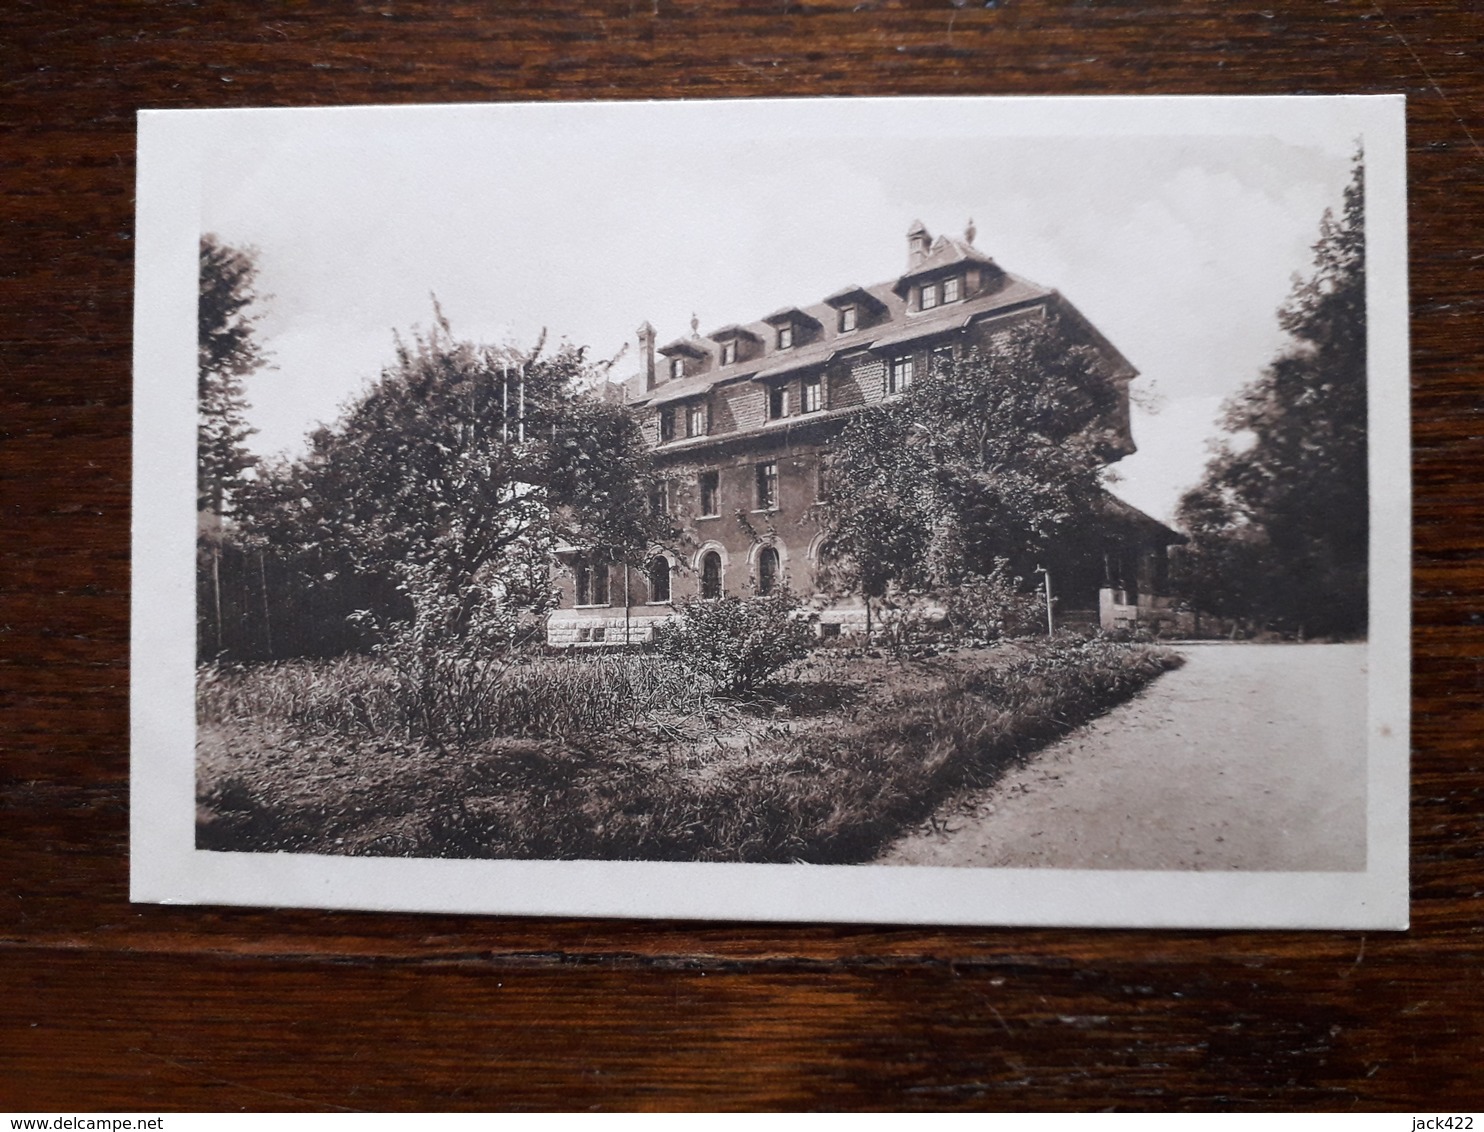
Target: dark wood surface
x,y
104,1005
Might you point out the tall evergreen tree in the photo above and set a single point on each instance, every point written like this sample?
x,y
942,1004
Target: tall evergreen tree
x,y
1279,524
228,350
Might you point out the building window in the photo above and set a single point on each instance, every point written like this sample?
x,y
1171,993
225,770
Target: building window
x,y
659,499
777,403
951,289
659,579
899,374
929,296
767,570
847,319
811,401
941,360
695,419
728,352
711,575
822,482
767,486
785,337
677,367
667,425
709,483
592,581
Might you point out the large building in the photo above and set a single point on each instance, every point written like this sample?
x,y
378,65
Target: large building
x,y
741,419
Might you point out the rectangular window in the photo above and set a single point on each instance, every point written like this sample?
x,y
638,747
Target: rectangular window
x,y
847,319
777,403
728,352
667,425
941,360
767,486
677,367
951,289
929,296
811,401
709,483
899,375
822,482
695,419
592,581
785,337
659,500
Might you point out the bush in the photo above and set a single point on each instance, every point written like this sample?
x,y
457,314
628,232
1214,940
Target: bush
x,y
994,606
736,643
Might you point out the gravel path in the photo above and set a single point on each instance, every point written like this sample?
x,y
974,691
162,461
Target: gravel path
x,y
1248,757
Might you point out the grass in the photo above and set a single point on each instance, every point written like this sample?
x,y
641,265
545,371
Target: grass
x,y
624,757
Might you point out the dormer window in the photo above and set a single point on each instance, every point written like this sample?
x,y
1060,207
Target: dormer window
x,y
677,368
667,425
792,327
952,289
929,296
856,308
729,352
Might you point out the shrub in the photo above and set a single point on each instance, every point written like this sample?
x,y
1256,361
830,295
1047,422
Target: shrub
x,y
993,606
736,643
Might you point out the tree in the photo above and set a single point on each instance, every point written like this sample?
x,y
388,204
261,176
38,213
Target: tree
x,y
1279,523
996,458
451,481
227,351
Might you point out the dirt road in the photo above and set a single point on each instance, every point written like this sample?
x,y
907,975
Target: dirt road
x,y
1248,757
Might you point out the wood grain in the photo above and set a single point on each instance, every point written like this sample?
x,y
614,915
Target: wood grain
x,y
111,1006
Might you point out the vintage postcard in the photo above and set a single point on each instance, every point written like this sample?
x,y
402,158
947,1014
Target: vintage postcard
x,y
947,510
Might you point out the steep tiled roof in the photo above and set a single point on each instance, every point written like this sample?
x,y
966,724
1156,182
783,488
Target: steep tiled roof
x,y
897,325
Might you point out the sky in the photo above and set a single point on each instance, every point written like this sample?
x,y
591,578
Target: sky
x,y
1179,239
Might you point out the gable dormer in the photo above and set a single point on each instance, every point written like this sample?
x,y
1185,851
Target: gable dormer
x,y
685,357
736,344
855,308
945,271
792,327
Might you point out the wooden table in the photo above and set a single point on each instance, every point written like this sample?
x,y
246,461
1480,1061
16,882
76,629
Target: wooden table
x,y
111,1006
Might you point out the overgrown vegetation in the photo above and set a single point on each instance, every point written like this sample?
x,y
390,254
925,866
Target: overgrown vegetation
x,y
825,766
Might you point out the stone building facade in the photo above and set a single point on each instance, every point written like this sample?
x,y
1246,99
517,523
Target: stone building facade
x,y
740,421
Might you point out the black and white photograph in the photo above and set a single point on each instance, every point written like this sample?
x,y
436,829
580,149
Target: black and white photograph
x,y
913,510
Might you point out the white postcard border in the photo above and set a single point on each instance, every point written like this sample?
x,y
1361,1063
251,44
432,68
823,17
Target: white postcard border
x,y
165,866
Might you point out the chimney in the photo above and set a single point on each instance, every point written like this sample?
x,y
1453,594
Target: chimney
x,y
970,232
918,242
646,352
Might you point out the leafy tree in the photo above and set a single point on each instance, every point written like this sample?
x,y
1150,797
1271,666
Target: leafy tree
x,y
981,466
1279,524
227,350
450,482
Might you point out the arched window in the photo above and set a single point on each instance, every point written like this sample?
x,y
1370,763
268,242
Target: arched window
x,y
767,570
711,574
659,579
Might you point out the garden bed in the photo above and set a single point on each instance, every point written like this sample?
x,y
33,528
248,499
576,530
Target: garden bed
x,y
624,757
